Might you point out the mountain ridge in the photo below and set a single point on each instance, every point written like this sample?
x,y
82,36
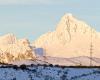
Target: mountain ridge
x,y
71,36
12,49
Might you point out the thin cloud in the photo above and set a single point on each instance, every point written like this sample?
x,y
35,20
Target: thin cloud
x,y
25,2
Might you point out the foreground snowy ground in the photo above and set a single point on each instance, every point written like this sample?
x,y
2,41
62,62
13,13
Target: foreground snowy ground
x,y
44,72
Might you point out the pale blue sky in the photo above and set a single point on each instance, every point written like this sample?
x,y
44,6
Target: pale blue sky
x,y
32,18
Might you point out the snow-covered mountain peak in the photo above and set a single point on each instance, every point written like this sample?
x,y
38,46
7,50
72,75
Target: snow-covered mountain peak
x,y
12,49
71,38
8,39
68,15
71,24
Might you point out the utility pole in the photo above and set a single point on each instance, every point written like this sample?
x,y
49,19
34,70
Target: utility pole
x,y
91,49
44,51
91,53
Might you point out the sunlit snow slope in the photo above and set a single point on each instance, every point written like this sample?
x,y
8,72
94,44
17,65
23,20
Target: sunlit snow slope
x,y
72,38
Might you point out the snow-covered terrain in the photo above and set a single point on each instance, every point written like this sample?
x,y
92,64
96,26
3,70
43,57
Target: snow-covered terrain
x,y
75,61
49,73
63,54
72,38
69,45
12,49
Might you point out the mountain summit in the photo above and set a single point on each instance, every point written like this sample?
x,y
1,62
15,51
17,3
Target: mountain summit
x,y
8,39
12,49
71,38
